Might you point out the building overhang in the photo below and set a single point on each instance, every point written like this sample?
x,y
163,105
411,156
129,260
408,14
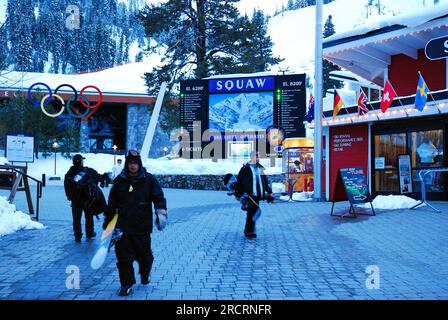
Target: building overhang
x,y
369,54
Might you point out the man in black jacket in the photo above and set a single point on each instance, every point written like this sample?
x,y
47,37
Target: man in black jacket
x,y
253,182
132,195
76,195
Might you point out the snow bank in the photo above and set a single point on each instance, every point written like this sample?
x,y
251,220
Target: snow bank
x,y
391,202
299,196
3,161
104,162
12,220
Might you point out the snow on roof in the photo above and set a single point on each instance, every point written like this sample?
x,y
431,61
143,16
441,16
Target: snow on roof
x,y
125,79
411,19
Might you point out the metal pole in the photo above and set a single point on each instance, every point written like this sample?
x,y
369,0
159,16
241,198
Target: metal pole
x,y
318,94
153,122
55,161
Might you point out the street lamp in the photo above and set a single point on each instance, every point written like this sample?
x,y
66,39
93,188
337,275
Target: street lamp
x,y
55,148
115,154
166,150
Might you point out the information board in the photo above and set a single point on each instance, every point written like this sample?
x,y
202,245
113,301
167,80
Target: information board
x,y
19,148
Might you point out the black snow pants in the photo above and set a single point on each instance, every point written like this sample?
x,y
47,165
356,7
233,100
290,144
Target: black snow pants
x,y
77,215
130,248
252,209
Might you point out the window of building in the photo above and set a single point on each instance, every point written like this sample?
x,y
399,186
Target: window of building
x,y
427,148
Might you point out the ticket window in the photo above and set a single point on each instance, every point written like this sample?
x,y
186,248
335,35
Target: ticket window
x,y
298,163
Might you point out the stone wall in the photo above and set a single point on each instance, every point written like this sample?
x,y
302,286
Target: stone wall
x,y
204,182
138,117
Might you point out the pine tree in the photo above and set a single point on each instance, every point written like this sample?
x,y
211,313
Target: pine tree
x,y
257,50
20,22
328,66
290,5
207,36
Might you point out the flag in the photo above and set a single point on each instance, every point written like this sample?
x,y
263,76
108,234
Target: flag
x,y
421,96
337,104
362,100
388,96
310,114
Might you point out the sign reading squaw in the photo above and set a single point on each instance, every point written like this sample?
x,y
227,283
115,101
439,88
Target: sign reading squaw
x,y
241,84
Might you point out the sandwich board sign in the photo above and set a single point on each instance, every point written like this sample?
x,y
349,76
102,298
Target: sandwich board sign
x,y
352,186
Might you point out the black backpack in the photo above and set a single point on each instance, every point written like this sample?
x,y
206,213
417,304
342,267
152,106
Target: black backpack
x,y
88,193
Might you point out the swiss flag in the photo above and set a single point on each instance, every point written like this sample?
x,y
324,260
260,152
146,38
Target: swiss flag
x,y
388,96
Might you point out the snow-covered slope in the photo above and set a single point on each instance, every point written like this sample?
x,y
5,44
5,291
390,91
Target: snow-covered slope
x,y
293,32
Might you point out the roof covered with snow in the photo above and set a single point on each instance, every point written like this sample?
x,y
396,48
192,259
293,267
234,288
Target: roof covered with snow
x,y
367,51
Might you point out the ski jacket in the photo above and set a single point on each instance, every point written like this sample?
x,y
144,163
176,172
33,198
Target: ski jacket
x,y
245,181
133,199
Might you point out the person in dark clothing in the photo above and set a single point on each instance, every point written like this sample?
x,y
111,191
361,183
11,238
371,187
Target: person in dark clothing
x,y
253,182
76,196
132,195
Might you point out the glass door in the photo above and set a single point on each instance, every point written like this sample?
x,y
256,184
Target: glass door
x,y
387,149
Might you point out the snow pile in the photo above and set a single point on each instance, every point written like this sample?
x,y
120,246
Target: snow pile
x,y
391,202
12,220
3,161
104,162
278,187
198,167
299,196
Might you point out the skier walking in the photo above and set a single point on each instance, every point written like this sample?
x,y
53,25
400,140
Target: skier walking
x,y
131,196
78,177
253,183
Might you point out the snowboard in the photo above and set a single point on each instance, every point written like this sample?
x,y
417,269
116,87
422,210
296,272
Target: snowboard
x,y
104,245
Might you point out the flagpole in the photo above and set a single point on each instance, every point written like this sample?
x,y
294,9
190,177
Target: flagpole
x,y
318,104
399,100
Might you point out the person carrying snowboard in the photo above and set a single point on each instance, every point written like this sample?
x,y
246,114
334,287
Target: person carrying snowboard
x,y
132,195
77,181
252,183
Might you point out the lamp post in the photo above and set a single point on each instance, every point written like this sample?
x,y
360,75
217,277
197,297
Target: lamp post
x,y
115,154
55,148
165,150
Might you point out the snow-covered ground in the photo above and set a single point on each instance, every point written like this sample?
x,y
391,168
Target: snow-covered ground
x,y
391,202
104,163
12,220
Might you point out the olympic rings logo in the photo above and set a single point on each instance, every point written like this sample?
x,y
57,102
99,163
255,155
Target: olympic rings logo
x,y
49,98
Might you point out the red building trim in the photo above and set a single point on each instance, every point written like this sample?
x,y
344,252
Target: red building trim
x,y
403,73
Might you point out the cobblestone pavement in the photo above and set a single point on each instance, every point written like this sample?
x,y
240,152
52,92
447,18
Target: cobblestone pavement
x,y
300,253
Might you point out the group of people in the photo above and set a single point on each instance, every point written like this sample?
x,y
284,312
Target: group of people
x,y
133,195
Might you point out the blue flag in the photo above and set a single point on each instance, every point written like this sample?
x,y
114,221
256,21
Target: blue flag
x,y
310,114
421,96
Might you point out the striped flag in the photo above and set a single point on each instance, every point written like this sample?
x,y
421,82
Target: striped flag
x,y
337,104
362,101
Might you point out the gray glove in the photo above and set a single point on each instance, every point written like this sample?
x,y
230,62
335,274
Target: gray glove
x,y
161,220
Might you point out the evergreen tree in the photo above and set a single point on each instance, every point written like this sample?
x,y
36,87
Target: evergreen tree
x,y
257,50
20,22
328,66
290,5
205,36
